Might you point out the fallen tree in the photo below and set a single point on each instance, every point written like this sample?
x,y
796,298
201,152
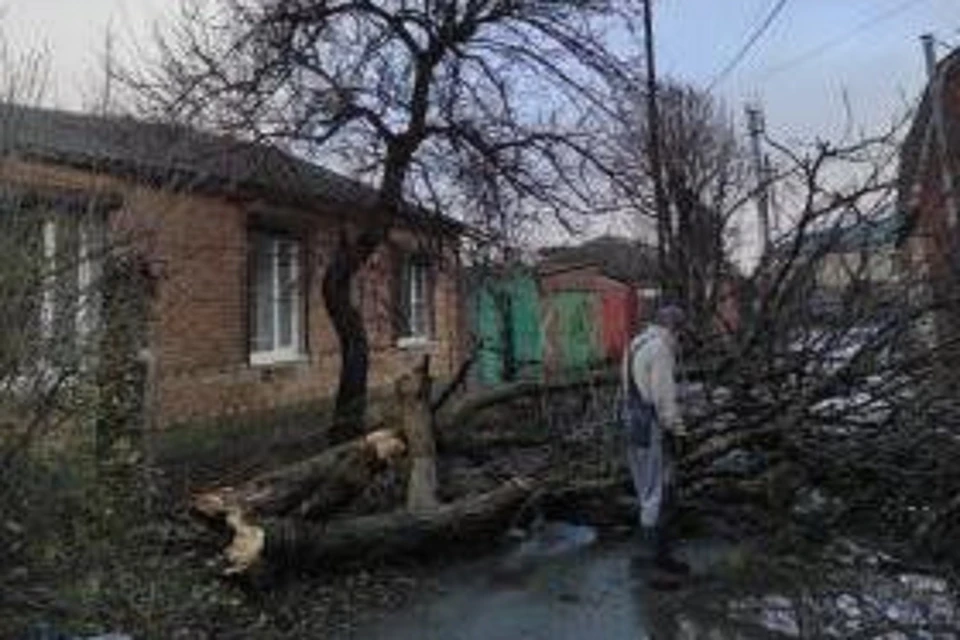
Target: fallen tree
x,y
289,542
317,485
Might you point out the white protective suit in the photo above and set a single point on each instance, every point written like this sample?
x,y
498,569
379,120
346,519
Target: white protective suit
x,y
653,365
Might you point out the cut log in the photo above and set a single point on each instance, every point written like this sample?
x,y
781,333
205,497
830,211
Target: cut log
x,y
318,485
290,542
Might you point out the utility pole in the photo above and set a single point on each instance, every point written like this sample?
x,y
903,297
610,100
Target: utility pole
x,y
756,127
940,131
771,197
656,161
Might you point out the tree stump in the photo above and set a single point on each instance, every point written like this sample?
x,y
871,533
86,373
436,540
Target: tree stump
x,y
413,395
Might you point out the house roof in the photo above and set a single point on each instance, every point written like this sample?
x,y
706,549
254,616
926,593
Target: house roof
x,y
179,157
869,233
911,152
618,258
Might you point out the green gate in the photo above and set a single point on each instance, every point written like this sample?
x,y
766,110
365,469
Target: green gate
x,y
489,329
507,316
576,334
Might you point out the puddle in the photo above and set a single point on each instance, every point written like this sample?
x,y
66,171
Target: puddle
x,y
559,583
562,583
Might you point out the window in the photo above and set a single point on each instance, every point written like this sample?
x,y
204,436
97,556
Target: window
x,y
51,269
417,300
276,299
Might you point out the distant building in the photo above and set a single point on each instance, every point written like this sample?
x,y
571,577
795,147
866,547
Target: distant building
x,y
862,254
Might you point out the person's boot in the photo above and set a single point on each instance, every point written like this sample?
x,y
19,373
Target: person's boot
x,y
665,561
653,560
646,552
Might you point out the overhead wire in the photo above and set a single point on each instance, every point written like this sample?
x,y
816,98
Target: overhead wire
x,y
749,44
840,39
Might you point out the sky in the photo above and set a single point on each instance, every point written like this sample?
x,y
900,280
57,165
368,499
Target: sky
x,y
815,53
818,56
874,57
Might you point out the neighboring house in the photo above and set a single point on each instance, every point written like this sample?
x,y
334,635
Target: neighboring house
x,y
928,190
634,264
576,309
595,296
234,237
589,316
862,254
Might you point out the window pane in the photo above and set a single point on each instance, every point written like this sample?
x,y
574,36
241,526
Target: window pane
x,y
418,325
286,298
417,297
65,284
262,297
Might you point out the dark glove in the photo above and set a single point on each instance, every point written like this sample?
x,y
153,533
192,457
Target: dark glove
x,y
673,446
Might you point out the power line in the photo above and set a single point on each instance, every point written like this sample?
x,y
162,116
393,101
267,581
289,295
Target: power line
x,y
745,49
840,39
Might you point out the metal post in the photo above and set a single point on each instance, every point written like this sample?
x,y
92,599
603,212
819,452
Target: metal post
x,y
929,54
755,126
656,168
771,197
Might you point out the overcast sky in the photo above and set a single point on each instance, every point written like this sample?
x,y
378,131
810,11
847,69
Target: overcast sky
x,y
873,55
816,57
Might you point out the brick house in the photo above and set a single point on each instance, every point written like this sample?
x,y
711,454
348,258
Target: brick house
x,y
927,189
234,237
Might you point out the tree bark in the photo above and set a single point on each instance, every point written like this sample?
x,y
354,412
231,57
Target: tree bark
x,y
413,394
291,542
351,399
316,486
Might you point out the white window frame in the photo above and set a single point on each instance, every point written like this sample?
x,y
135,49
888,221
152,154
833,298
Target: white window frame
x,y
86,314
48,296
86,280
418,295
295,351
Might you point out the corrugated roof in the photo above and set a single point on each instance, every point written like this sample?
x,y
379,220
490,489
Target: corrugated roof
x,y
618,258
177,157
869,233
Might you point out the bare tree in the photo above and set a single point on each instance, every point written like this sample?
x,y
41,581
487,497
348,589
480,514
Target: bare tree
x,y
706,188
476,107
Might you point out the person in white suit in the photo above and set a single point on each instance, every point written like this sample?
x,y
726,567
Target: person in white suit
x,y
653,422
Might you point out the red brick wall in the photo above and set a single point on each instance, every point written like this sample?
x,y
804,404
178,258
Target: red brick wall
x,y
202,321
931,246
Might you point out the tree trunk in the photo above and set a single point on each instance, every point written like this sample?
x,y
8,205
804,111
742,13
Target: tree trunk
x,y
316,486
413,394
289,542
351,400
